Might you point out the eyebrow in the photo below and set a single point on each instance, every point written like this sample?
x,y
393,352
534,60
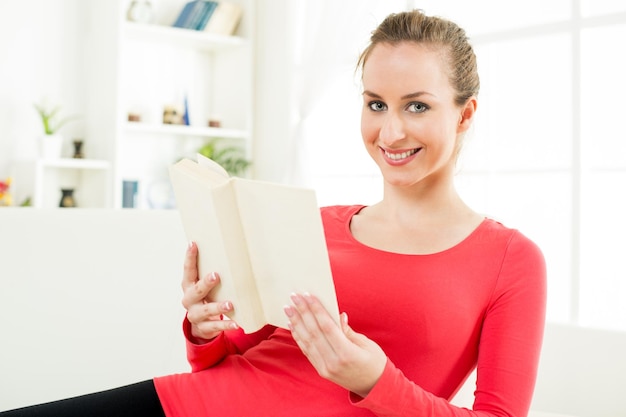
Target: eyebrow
x,y
404,97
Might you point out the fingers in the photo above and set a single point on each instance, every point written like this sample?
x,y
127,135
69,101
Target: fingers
x,y
339,354
190,266
206,321
313,328
204,315
199,291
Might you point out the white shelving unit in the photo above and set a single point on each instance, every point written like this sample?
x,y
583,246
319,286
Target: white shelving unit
x,y
141,68
89,178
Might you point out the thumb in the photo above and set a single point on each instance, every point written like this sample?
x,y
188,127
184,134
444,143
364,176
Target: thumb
x,y
353,336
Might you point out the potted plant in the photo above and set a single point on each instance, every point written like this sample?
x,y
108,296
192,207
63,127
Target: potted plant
x,y
51,142
229,157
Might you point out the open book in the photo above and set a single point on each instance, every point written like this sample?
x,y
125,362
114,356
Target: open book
x,y
266,241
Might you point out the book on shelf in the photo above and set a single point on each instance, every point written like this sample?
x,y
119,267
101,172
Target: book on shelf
x,y
187,12
266,240
209,8
225,19
195,14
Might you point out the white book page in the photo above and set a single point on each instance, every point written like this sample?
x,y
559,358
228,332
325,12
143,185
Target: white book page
x,y
287,247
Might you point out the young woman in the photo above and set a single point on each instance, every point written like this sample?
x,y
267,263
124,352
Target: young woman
x,y
429,289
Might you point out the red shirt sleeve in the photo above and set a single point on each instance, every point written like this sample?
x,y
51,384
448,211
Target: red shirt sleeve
x,y
203,356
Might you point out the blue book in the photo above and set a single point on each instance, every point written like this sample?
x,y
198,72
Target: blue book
x,y
184,15
198,10
211,6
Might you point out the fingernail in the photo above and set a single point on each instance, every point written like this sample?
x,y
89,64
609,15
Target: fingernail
x,y
295,298
227,306
288,311
190,245
232,325
212,277
308,297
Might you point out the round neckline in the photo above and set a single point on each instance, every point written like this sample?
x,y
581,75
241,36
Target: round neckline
x,y
356,209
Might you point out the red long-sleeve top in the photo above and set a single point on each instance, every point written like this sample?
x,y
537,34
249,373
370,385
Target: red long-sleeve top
x,y
479,304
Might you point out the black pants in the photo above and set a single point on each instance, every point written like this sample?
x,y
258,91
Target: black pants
x,y
137,400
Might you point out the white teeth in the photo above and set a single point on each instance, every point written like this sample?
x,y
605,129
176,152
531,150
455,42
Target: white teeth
x,y
400,156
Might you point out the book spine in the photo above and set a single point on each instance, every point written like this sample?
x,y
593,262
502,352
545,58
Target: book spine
x,y
184,15
196,14
211,6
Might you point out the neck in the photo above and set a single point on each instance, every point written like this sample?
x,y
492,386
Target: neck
x,y
432,203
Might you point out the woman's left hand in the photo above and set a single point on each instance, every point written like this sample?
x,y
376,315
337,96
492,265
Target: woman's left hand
x,y
337,352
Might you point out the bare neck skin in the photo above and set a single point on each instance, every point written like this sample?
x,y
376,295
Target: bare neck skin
x,y
422,219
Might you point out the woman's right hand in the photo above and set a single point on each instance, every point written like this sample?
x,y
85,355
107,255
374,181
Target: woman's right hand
x,y
204,314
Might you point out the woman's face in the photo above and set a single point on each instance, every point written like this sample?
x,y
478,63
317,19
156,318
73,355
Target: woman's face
x,y
410,123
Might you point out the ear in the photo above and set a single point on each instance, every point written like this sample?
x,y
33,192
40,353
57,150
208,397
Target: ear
x,y
467,115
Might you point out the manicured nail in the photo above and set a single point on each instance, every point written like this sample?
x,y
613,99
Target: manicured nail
x,y
227,306
232,325
295,298
308,297
212,277
288,311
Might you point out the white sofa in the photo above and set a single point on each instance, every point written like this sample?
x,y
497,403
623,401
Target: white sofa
x,y
90,299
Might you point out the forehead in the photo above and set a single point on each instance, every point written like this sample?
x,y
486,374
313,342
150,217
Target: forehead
x,y
408,65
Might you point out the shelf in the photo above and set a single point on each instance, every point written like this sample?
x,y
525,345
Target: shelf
x,y
182,130
74,163
185,38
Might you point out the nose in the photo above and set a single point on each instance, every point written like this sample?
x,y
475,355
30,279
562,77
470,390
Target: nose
x,y
392,129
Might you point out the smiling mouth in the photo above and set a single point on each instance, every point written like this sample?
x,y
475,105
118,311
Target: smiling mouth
x,y
399,156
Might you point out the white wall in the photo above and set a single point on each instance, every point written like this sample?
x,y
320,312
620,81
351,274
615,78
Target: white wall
x,y
41,57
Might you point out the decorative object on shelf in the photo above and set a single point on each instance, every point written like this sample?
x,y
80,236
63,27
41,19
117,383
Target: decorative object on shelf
x,y
215,121
231,158
78,149
5,195
186,112
172,115
134,117
51,143
51,146
67,198
129,193
140,11
161,195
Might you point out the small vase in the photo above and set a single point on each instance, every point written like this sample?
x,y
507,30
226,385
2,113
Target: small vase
x,y
67,198
50,146
78,149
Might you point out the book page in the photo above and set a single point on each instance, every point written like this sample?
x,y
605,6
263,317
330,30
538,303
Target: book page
x,y
203,161
287,246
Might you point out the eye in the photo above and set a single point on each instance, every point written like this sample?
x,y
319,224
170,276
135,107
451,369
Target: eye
x,y
377,106
417,107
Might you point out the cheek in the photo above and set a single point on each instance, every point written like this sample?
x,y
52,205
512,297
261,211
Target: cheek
x,y
369,129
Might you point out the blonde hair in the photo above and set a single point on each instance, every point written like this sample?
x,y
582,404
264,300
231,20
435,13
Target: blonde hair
x,y
415,26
